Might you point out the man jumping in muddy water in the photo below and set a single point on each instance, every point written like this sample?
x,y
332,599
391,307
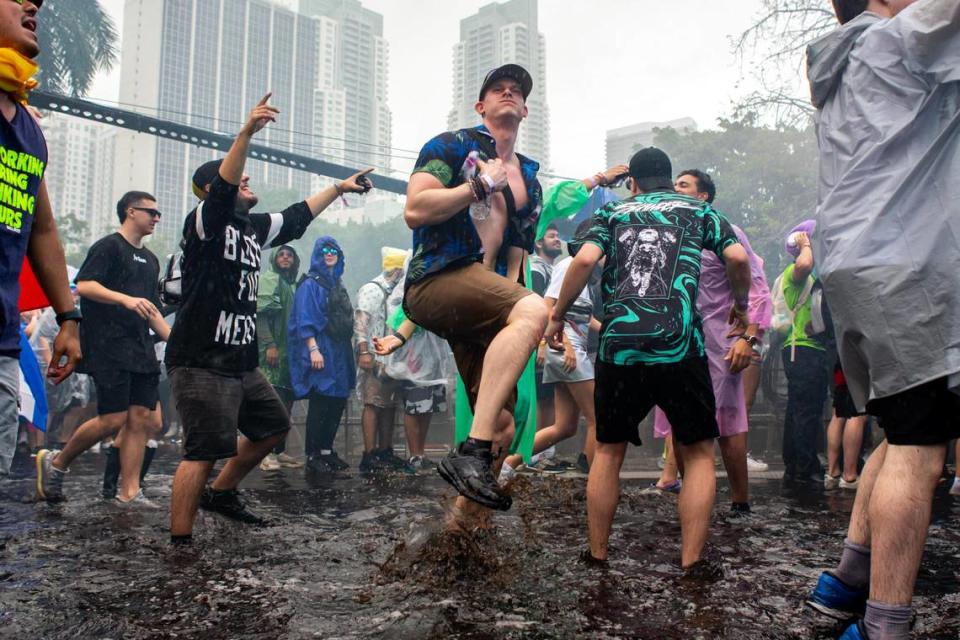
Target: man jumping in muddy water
x,y
651,342
491,322
212,353
886,85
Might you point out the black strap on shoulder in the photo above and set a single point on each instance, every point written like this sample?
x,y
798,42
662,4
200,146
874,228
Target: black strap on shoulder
x,y
489,147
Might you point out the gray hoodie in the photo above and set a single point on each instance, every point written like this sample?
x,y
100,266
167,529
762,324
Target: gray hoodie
x,y
888,221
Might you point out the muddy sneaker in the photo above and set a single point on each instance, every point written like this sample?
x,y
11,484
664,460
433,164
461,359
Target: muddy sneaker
x,y
228,503
371,464
831,482
394,462
270,463
588,559
836,599
471,476
851,485
138,501
334,461
49,478
288,461
582,465
703,571
507,473
671,487
755,464
739,510
421,464
558,466
316,464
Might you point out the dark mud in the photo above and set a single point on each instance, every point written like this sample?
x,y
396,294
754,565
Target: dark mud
x,y
356,558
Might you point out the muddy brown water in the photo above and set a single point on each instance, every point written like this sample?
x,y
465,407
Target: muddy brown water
x,y
360,558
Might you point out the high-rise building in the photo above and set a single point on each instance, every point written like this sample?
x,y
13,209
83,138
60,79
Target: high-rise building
x,y
79,182
622,143
501,33
206,62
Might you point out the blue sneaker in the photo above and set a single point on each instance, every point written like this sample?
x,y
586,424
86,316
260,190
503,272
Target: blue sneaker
x,y
836,599
855,632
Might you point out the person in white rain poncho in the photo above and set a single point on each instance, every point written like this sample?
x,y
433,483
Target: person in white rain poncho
x,y
420,361
887,87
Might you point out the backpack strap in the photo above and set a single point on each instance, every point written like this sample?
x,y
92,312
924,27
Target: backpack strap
x,y
804,295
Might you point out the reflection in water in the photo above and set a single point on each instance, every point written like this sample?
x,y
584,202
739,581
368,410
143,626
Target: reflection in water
x,y
354,558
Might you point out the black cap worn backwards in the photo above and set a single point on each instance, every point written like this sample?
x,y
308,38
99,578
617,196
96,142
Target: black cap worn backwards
x,y
513,72
651,169
203,176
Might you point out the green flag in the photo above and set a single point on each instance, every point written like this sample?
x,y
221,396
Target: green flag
x,y
562,200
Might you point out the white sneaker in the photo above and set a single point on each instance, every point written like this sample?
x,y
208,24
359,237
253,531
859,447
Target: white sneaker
x,y
849,485
753,464
543,456
285,460
830,483
507,473
955,489
138,501
270,463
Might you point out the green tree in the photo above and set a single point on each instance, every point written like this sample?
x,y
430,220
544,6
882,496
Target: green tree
x,y
77,40
766,177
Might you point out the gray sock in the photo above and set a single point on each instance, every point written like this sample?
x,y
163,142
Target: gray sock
x,y
887,621
854,567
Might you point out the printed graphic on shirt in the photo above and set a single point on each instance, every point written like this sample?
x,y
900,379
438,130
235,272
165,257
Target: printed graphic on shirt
x,y
647,255
16,199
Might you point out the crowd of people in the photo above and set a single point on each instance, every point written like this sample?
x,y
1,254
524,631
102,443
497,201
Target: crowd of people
x,y
661,309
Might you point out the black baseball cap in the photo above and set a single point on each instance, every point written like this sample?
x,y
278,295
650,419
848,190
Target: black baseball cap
x,y
651,169
513,72
203,176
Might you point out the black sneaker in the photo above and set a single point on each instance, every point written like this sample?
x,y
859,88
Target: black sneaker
x,y
582,465
318,464
395,462
557,466
470,475
228,503
334,461
739,510
371,464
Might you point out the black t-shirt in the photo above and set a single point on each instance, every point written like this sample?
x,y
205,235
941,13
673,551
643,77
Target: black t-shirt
x,y
216,326
111,336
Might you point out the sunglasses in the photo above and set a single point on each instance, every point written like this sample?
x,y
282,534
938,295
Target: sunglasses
x,y
329,251
154,213
36,3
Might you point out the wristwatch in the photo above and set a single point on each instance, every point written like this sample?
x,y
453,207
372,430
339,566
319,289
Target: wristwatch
x,y
73,314
754,342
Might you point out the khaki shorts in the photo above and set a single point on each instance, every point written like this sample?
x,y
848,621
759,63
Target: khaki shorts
x,y
467,306
378,391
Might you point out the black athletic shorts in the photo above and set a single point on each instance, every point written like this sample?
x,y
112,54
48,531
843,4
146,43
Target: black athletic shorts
x,y
625,394
925,415
213,407
118,390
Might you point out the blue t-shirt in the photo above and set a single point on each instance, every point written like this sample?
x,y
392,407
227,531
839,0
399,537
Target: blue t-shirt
x,y
455,241
23,159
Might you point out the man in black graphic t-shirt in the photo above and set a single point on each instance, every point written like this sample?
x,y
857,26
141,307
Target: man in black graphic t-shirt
x,y
118,285
212,352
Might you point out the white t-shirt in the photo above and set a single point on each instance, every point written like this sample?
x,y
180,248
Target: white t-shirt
x,y
581,310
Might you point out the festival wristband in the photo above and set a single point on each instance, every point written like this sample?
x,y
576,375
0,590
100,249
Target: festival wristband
x,y
314,348
491,186
399,336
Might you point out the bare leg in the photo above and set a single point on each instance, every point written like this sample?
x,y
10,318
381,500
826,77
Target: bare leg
x,y
505,359
834,443
249,455
751,383
131,453
385,427
188,483
368,422
671,471
416,428
696,498
582,393
603,494
90,433
859,530
899,516
734,452
852,440
565,427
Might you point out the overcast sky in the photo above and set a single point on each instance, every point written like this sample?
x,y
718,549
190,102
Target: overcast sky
x,y
610,63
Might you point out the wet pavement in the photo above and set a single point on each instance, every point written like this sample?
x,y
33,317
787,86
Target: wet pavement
x,y
357,558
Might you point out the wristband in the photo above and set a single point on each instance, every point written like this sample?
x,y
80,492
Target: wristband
x,y
336,185
73,314
399,336
314,348
491,186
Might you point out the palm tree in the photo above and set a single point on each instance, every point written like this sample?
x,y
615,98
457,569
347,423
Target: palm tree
x,y
77,39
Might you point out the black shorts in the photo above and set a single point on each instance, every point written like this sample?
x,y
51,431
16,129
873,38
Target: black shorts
x,y
625,394
843,403
118,390
213,407
925,415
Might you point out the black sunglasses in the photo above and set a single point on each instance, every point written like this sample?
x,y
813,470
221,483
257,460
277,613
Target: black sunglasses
x,y
154,213
36,3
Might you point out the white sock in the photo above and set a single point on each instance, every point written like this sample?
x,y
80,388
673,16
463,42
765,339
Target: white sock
x,y
326,452
151,443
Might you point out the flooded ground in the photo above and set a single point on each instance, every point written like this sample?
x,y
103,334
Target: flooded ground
x,y
358,558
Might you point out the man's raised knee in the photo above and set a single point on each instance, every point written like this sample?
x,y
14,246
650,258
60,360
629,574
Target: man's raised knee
x,y
531,311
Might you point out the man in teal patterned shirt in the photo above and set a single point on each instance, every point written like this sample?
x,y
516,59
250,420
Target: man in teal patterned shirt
x,y
651,343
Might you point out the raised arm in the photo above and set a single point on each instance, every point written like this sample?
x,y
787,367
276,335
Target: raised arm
x,y
430,202
357,183
576,278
